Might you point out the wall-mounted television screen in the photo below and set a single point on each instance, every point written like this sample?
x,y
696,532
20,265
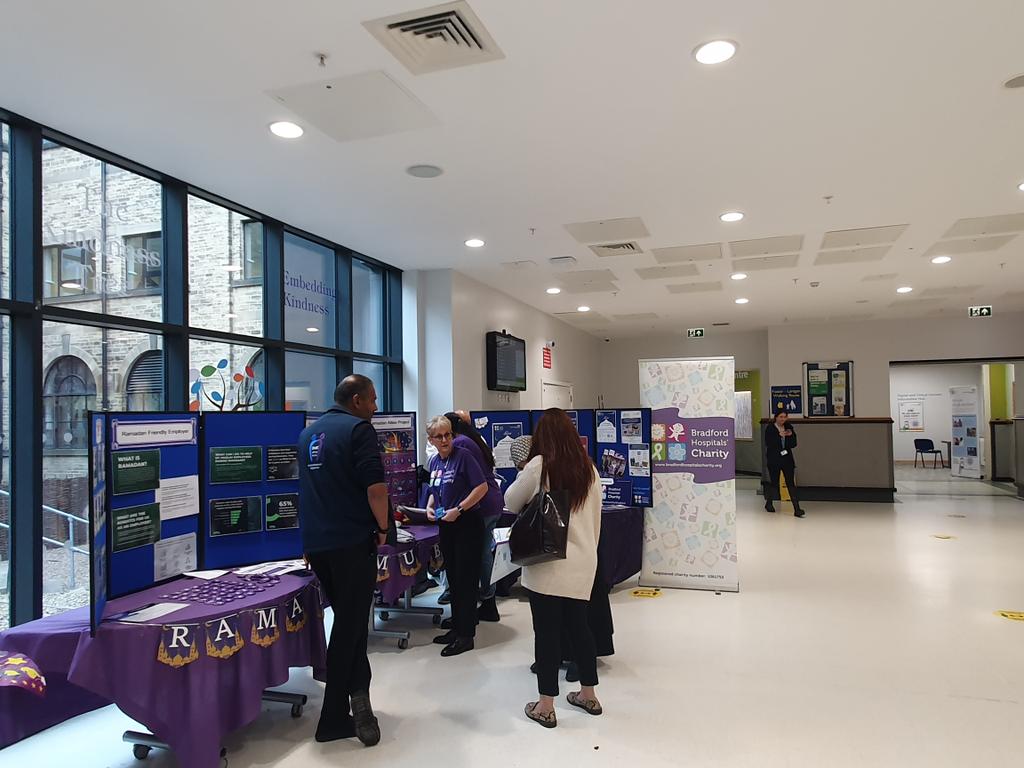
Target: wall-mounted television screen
x,y
506,363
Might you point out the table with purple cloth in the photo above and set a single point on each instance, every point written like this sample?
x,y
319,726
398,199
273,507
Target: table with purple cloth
x,y
191,688
399,566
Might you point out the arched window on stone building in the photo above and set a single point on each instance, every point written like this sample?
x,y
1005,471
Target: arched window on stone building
x,y
144,387
69,391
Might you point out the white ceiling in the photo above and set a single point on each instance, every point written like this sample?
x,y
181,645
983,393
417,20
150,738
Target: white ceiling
x,y
598,111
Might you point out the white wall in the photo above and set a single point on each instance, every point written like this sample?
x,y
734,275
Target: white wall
x,y
872,345
477,309
620,374
930,384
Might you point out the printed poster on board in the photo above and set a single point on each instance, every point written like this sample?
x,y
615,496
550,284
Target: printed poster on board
x,y
690,532
502,436
964,452
607,430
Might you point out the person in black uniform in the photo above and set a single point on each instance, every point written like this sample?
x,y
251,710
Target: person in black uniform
x,y
780,440
343,516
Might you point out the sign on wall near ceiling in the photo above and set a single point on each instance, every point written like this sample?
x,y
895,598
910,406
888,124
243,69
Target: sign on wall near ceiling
x,y
695,333
982,311
547,357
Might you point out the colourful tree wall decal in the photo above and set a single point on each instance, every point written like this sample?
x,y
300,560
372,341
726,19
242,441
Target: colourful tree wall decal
x,y
211,390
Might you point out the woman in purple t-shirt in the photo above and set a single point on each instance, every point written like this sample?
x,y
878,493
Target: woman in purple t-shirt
x,y
457,486
492,506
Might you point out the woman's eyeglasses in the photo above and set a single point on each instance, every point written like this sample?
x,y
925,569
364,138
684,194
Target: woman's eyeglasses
x,y
442,438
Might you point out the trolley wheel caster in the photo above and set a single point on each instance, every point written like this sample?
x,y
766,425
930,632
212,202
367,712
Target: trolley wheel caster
x,y
384,615
140,751
437,620
296,710
403,643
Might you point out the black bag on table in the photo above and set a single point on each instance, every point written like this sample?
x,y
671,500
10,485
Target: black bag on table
x,y
540,532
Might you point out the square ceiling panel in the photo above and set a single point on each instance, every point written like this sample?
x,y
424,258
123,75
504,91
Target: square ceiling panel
x,y
766,246
660,273
954,290
356,106
766,262
677,253
860,238
694,287
599,287
879,278
987,225
974,245
608,230
583,318
852,255
519,266
581,276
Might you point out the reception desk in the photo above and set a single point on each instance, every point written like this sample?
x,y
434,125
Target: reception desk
x,y
1018,460
842,459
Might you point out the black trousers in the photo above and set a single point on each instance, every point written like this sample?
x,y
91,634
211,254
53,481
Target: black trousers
x,y
461,543
599,619
348,577
789,472
550,616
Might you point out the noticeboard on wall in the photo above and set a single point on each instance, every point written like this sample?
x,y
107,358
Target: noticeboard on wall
x,y
829,388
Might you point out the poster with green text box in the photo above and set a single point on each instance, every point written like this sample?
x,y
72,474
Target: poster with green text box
x,y
135,471
136,526
236,465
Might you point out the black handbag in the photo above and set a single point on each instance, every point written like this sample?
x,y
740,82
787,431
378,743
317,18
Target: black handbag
x,y
540,532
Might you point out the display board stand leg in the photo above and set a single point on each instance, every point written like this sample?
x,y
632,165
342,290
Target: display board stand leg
x,y
406,608
400,635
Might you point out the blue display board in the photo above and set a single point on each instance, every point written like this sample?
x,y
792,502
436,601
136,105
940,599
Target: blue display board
x,y
829,389
623,449
97,519
148,457
583,418
250,487
498,426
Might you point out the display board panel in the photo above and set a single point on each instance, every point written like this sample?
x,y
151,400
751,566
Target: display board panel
x,y
623,453
499,429
829,389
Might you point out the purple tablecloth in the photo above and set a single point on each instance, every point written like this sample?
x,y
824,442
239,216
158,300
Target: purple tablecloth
x,y
621,548
398,573
192,706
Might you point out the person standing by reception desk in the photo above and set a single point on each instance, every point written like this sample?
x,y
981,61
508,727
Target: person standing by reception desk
x,y
779,442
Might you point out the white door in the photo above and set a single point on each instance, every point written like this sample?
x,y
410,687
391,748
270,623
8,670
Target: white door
x,y
557,396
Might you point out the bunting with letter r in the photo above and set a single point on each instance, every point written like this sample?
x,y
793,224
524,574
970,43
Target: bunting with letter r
x,y
179,644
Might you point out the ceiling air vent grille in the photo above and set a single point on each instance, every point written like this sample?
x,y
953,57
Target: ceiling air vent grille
x,y
433,39
630,248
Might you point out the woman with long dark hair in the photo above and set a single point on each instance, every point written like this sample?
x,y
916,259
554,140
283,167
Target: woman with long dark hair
x,y
560,589
468,438
779,442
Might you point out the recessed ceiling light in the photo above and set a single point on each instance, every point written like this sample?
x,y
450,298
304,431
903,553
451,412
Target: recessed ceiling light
x,y
584,308
1015,82
738,275
286,129
715,51
554,291
731,216
474,242
904,289
233,268
424,171
742,301
311,329
1021,186
942,260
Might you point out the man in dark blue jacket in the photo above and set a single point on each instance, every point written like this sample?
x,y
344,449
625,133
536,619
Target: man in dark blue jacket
x,y
343,512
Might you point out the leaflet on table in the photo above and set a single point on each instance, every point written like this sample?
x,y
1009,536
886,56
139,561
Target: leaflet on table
x,y
150,612
178,497
502,534
640,460
632,427
277,568
607,430
503,435
205,575
174,556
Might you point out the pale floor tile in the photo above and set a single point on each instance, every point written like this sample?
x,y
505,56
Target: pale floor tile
x,y
858,640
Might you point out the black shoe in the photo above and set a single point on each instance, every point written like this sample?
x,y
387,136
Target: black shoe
x,y
345,729
448,623
572,673
459,645
488,611
533,667
798,513
768,507
447,638
445,598
367,727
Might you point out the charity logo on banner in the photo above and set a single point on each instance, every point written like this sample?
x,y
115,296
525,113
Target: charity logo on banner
x,y
690,532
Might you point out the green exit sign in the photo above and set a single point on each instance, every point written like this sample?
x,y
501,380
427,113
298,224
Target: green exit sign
x,y
695,333
979,311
